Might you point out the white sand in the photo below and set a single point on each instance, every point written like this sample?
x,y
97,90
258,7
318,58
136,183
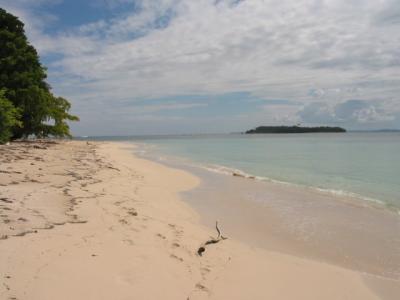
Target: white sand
x,y
130,236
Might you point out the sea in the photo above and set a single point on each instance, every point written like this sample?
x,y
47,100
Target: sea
x,y
365,165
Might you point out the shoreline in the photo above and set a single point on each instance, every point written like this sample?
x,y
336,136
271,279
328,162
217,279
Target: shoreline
x,y
338,194
368,176
134,231
356,198
337,229
302,223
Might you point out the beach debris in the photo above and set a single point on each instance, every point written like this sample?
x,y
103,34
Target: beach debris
x,y
113,168
219,238
77,222
39,147
23,233
237,174
6,200
201,250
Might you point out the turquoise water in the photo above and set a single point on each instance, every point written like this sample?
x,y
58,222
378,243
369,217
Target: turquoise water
x,y
365,165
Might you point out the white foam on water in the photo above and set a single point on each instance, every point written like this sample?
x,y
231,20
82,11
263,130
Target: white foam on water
x,y
335,192
149,150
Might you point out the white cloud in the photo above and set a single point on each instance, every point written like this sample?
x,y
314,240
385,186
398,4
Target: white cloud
x,y
371,114
278,114
305,50
208,48
168,106
349,112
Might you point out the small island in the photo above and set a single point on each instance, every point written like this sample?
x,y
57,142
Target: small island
x,y
294,129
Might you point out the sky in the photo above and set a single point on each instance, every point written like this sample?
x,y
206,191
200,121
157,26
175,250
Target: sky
x,y
132,67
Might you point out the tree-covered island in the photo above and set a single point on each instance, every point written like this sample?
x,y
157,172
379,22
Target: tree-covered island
x,y
294,129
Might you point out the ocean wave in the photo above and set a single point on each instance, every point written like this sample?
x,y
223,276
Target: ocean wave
x,y
150,151
335,192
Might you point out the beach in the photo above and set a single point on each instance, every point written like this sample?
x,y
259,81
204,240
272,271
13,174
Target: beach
x,y
91,220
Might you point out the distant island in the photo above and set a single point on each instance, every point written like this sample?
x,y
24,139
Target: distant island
x,y
294,129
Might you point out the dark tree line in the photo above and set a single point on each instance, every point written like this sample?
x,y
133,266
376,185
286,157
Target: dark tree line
x,y
294,129
27,106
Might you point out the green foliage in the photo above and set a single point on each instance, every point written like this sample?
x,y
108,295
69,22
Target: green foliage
x,y
23,77
8,118
58,110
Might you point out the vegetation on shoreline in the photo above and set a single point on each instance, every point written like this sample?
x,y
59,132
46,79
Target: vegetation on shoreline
x,y
27,106
8,118
294,129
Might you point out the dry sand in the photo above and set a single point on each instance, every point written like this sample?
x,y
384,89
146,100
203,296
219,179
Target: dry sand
x,y
91,221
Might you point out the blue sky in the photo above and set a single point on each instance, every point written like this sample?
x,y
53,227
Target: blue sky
x,y
203,66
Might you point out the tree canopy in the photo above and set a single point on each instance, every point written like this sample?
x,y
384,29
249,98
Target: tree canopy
x,y
294,129
23,82
8,118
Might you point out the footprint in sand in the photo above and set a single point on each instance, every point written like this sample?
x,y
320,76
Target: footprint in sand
x,y
202,288
176,257
132,212
177,232
161,236
129,242
175,245
123,221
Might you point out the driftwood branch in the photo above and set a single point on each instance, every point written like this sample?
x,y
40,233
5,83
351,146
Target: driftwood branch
x,y
219,238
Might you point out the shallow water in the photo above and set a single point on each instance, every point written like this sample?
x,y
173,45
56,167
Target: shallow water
x,y
366,165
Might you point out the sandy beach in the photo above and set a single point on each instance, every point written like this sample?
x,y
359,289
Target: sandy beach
x,y
86,220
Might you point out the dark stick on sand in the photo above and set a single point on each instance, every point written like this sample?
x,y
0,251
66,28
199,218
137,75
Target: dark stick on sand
x,y
212,241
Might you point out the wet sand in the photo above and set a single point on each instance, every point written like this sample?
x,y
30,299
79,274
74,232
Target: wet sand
x,y
341,230
300,221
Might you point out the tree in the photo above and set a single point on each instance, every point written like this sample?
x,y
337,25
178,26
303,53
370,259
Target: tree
x,y
24,79
58,110
8,118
